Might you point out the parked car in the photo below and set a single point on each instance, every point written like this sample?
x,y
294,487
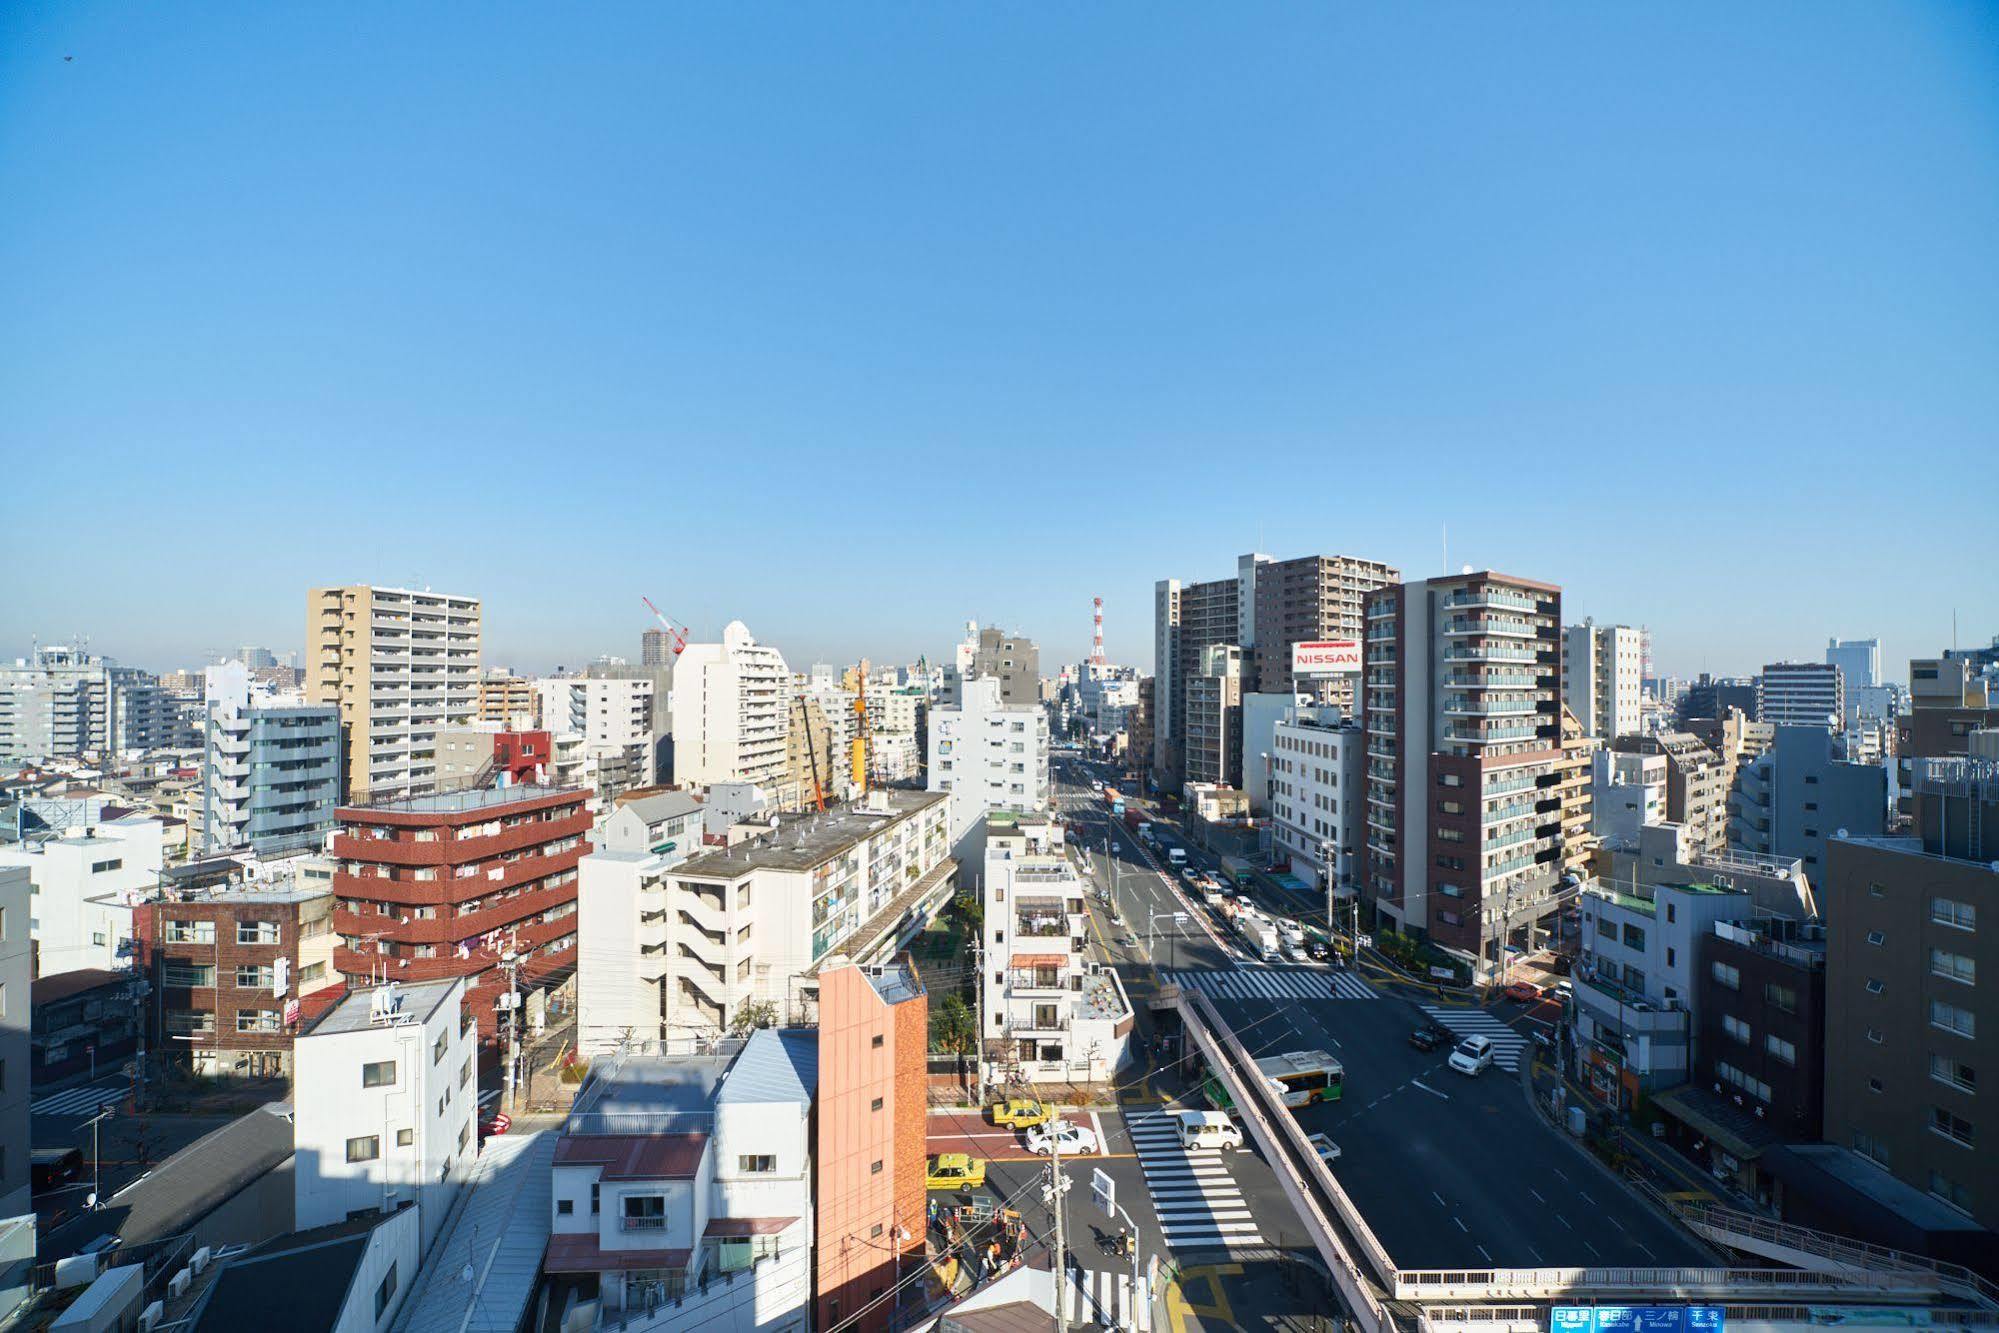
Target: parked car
x,y
1472,1055
954,1171
1318,952
1075,1141
1019,1113
1329,1152
1525,992
1429,1037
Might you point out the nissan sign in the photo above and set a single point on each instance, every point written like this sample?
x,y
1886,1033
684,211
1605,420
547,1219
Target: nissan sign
x,y
1327,657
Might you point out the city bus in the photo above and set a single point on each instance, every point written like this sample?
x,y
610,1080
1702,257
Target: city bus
x,y
1299,1077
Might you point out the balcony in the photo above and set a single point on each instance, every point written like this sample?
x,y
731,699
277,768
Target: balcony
x,y
1489,627
1512,601
1462,707
395,851
1492,653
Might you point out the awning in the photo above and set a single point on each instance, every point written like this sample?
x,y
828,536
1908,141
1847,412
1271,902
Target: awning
x,y
747,1226
1040,959
1716,1120
577,1252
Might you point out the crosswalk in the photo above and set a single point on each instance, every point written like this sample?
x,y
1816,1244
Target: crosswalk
x,y
1506,1043
82,1102
1198,1203
1275,983
1104,1300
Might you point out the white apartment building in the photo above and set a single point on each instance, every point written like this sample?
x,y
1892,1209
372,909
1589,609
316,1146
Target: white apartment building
x,y
270,769
1051,1015
1318,795
603,710
400,663
1806,694
385,1104
64,702
85,886
621,894
750,924
682,1189
988,756
1627,792
1603,677
731,708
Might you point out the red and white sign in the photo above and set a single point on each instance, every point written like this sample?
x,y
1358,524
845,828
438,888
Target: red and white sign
x,y
1326,657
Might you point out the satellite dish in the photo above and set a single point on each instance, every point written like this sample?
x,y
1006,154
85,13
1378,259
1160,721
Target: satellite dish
x,y
1464,569
1840,834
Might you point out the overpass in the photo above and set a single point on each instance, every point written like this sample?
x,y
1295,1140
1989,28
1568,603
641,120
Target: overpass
x,y
1807,1270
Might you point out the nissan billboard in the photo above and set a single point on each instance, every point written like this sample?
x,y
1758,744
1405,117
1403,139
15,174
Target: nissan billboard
x,y
1326,657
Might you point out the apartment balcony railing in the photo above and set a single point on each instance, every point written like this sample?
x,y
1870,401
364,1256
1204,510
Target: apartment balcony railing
x,y
1491,653
1486,625
1462,707
1493,597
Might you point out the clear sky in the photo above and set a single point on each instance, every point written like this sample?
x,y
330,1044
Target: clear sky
x,y
857,320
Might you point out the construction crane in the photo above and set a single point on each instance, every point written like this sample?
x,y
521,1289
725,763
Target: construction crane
x,y
860,773
677,633
812,754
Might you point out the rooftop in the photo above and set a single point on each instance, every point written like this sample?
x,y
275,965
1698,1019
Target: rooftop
x,y
774,1067
307,1274
62,985
653,1094
416,1001
895,982
666,805
459,802
643,1156
804,841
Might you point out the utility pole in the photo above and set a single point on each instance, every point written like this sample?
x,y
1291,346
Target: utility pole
x,y
979,995
1061,1249
511,961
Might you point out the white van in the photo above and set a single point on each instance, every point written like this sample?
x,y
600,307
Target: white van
x,y
1176,856
1207,1131
1472,1055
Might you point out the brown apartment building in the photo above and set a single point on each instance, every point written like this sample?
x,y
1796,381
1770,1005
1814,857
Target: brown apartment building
x,y
1464,763
1910,1029
1311,598
1697,783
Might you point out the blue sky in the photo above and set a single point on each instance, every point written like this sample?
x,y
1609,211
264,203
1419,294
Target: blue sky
x,y
854,321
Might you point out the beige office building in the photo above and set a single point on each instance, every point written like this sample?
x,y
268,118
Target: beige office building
x,y
400,663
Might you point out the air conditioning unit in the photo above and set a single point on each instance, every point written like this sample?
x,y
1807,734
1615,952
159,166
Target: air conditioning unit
x,y
151,1317
177,1284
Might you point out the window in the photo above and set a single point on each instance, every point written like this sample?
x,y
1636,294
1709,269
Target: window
x,y
256,932
1870,1147
1780,997
1672,956
1954,1072
189,932
1736,1078
387,1291
1952,1018
254,978
405,1138
1875,1035
1781,1049
875,1167
875,1105
1952,1193
565,1207
1875,1085
188,974
1735,1028
1953,1127
364,1149
1958,916
758,1164
1876,938
103,867
437,1050
876,1042
1876,891
1875,986
1954,966
259,1020
1672,913
596,1198
378,1074
187,1022
1634,936
876,1231
1727,976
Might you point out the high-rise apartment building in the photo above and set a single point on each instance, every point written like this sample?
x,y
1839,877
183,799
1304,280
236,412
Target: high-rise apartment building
x,y
1464,762
1213,751
1909,1026
509,700
1013,661
1187,620
399,663
270,770
1697,783
731,707
1807,694
64,702
1797,795
1603,677
989,755
445,885
1318,797
655,648
1858,660
1576,792
1307,600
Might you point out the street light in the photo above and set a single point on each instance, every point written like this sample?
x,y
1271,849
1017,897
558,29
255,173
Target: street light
x,y
1152,931
95,1157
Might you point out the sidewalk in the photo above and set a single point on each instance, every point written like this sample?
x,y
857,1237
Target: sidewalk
x,y
1674,1173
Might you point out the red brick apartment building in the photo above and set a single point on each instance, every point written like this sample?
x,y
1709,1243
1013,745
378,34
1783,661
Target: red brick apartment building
x,y
440,886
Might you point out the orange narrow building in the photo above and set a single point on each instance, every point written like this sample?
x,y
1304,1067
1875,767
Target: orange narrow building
x,y
874,1028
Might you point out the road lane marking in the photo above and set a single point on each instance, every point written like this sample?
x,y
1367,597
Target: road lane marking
x,y
1536,1193
1439,1198
1427,1088
1564,1221
1488,1256
1461,1225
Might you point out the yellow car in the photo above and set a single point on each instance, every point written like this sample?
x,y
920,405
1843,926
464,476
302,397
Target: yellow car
x,y
1020,1113
954,1171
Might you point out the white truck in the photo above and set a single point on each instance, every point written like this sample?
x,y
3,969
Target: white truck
x,y
1260,935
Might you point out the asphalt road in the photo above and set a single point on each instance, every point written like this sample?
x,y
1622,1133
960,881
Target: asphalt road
x,y
128,1147
1449,1171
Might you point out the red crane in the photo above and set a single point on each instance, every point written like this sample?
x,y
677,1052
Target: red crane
x,y
677,633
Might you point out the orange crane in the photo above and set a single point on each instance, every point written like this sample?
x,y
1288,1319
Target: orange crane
x,y
678,633
812,755
860,774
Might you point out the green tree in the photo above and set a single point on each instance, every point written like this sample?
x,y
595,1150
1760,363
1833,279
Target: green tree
x,y
953,1031
756,1014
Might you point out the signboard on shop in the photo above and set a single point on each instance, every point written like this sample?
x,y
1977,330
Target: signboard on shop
x,y
1326,657
1636,1319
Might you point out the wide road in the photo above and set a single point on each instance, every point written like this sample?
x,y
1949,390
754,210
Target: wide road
x,y
1449,1171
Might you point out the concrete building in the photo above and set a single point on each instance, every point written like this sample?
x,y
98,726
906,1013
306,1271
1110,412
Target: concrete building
x,y
1052,1015
1667,854
1711,696
655,648
85,887
1800,793
1908,1026
1858,660
270,769
1463,727
1261,714
1307,600
1318,797
386,1105
1138,723
1213,748
399,664
63,702
1696,783
1634,984
512,702
1603,677
1574,791
621,926
1809,694
344,1277
1013,661
1948,701
17,975
613,710
747,926
682,1186
1627,792
988,755
1186,621
444,885
486,754
731,707
868,1191
233,965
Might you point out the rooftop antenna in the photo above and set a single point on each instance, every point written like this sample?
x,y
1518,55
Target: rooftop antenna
x,y
1447,546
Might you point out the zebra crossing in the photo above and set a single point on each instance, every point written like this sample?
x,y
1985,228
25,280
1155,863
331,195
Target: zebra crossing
x,y
1274,983
1197,1201
1102,1300
1506,1043
82,1102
